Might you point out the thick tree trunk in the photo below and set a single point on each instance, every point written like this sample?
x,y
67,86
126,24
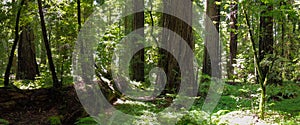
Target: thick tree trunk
x,y
56,84
11,56
233,38
182,9
138,61
27,66
266,37
213,12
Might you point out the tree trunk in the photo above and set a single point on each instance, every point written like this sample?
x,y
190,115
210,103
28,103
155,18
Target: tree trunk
x,y
213,12
182,9
56,84
233,38
262,102
27,66
78,15
266,37
128,20
138,61
11,56
83,66
265,47
283,30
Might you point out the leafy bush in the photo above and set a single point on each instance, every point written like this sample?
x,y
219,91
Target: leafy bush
x,y
54,120
194,117
146,119
3,122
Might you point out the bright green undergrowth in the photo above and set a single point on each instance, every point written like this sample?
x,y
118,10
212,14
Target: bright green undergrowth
x,y
282,106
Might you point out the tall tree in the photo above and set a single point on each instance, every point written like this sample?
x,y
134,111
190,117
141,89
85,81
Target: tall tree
x,y
138,61
233,37
266,39
56,83
213,12
179,9
11,56
265,48
266,29
27,65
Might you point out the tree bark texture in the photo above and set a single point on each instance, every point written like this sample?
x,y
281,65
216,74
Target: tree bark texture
x,y
213,12
179,9
138,60
233,38
27,65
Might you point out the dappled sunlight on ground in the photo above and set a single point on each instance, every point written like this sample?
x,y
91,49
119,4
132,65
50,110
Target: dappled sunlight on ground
x,y
241,118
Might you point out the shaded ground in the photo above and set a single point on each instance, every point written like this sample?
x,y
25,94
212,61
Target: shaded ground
x,y
40,106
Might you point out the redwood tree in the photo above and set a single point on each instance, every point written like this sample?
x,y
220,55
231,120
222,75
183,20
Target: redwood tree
x,y
233,37
138,61
213,12
27,65
182,9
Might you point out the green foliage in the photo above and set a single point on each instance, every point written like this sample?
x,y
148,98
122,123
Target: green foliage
x,y
194,117
287,91
4,122
1,82
42,81
136,108
285,98
55,120
86,121
146,119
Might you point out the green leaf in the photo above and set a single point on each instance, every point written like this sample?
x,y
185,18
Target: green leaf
x,y
4,122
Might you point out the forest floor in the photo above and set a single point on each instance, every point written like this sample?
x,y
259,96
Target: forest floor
x,y
238,103
41,106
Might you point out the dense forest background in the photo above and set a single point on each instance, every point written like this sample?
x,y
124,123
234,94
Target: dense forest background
x,y
257,46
